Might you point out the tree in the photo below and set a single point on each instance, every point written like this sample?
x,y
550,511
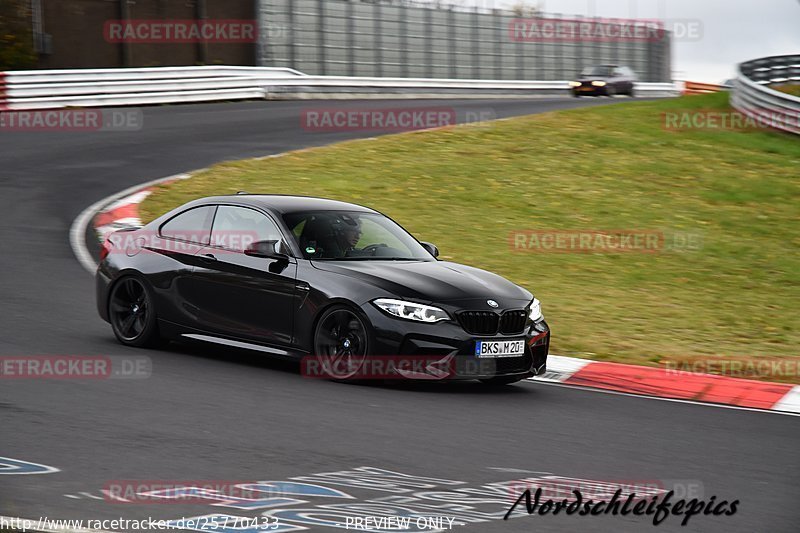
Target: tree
x,y
523,9
16,36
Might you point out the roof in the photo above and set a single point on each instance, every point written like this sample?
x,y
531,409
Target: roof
x,y
286,204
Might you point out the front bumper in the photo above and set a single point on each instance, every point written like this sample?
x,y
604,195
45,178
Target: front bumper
x,y
453,348
590,91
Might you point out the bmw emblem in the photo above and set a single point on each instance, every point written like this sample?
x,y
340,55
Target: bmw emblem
x,y
493,304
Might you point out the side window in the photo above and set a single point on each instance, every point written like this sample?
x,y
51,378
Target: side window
x,y
193,225
235,228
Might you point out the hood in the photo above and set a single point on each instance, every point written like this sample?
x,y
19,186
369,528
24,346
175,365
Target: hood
x,y
583,79
429,281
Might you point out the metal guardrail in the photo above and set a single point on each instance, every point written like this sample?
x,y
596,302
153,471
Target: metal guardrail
x,y
48,89
753,96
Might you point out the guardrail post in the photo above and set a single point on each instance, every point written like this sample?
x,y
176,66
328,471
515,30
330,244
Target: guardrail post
x,y
351,39
451,42
125,47
377,38
202,46
403,39
323,41
475,36
292,34
429,41
498,44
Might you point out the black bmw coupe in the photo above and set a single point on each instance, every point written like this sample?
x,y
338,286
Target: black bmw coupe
x,y
316,278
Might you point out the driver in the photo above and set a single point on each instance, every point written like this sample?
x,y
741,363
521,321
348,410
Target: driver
x,y
349,233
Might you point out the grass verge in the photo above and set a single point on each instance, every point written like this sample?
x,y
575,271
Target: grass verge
x,y
789,89
733,294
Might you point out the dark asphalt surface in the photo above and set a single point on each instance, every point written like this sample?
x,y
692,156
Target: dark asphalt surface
x,y
214,414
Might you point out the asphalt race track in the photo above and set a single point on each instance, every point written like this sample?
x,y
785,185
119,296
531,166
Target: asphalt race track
x,y
214,414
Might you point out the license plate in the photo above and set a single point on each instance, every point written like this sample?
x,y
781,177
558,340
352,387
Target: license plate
x,y
587,89
500,348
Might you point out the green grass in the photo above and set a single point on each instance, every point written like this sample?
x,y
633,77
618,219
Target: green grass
x,y
789,89
614,167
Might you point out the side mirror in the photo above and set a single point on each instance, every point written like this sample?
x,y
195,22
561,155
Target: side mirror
x,y
267,250
431,248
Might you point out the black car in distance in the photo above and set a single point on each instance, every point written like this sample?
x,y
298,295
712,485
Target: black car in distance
x,y
605,80
317,279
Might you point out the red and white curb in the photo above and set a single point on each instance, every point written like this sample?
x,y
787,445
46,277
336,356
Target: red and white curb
x,y
118,211
122,211
672,384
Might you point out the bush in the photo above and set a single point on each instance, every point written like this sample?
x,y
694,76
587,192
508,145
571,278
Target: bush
x,y
16,36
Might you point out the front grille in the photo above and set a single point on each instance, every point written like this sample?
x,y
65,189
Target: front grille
x,y
510,365
489,322
479,322
513,322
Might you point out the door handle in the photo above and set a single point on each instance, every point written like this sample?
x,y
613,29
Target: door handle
x,y
208,257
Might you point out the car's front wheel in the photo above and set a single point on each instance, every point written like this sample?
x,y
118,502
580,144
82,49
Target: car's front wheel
x,y
132,313
341,343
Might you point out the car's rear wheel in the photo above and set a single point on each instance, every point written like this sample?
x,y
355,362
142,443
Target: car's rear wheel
x,y
132,313
341,343
501,381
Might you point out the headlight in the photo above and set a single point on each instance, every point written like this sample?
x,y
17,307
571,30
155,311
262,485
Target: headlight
x,y
411,311
536,310
574,84
599,83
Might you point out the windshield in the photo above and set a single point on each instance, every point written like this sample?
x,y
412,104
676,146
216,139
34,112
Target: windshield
x,y
353,236
601,70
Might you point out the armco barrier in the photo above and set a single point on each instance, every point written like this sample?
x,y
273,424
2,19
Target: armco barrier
x,y
753,96
47,89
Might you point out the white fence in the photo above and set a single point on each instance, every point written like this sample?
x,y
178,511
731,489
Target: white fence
x,y
48,89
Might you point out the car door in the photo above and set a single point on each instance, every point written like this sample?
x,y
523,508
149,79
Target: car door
x,y
239,295
625,79
617,81
172,259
